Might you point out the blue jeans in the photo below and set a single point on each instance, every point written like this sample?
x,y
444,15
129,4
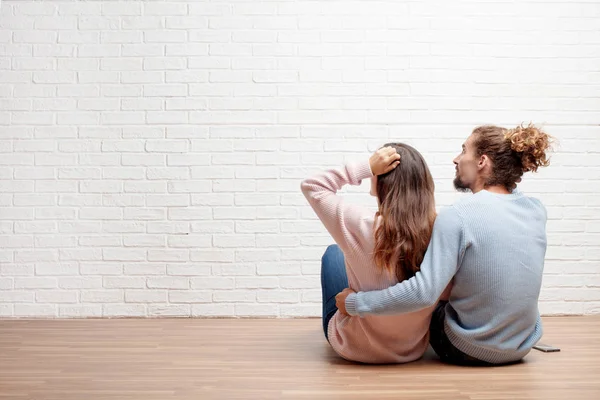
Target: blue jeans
x,y
333,281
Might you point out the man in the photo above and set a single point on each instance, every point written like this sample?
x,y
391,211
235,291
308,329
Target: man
x,y
492,245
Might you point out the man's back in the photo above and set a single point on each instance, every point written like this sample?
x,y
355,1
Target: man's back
x,y
494,247
494,302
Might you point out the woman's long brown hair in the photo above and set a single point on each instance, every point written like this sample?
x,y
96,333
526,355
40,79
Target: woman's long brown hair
x,y
407,211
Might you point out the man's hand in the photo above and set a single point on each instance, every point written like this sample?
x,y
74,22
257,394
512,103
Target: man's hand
x,y
340,300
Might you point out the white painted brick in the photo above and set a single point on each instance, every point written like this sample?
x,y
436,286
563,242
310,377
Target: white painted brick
x,y
122,200
103,296
80,227
298,254
29,118
212,199
56,296
213,227
212,282
258,255
280,213
165,8
146,214
56,23
189,214
100,268
137,126
145,22
256,282
79,311
123,173
168,146
121,8
237,213
300,310
237,269
145,240
170,227
35,227
21,199
6,227
257,227
38,310
6,310
180,310
121,37
18,214
190,296
35,283
141,50
123,255
561,308
164,63
16,241
277,296
187,159
178,255
145,269
80,255
100,213
53,269
235,241
234,296
34,9
252,199
256,310
167,117
277,240
189,186
169,282
6,283
299,282
171,200
125,282
79,200
124,310
312,296
17,296
212,310
188,270
145,296
6,256
167,36
150,104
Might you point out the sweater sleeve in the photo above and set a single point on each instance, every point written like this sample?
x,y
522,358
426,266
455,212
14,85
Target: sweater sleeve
x,y
344,222
442,260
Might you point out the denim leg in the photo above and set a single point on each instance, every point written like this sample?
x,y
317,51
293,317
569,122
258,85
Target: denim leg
x,y
333,281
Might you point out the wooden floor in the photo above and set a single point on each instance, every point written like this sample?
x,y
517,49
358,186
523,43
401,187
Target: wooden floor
x,y
266,359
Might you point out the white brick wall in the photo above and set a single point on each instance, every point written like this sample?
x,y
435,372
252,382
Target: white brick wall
x,y
151,151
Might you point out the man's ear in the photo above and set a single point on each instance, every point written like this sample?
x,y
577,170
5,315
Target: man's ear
x,y
483,162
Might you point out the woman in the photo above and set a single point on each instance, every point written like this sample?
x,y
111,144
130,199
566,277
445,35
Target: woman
x,y
375,250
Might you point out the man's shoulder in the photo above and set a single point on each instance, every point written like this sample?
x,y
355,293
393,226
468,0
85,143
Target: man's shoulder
x,y
449,217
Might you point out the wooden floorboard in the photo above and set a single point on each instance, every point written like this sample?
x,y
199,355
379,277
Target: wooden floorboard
x,y
266,359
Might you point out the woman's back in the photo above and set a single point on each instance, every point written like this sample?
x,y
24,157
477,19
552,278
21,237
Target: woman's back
x,y
374,339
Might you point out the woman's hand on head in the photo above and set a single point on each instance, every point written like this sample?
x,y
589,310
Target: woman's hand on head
x,y
384,160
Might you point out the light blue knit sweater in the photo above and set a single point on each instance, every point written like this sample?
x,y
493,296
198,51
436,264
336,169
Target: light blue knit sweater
x,y
494,246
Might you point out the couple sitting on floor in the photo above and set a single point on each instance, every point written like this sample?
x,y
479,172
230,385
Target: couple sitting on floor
x,y
466,281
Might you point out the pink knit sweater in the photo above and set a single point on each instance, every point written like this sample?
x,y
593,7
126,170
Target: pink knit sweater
x,y
372,339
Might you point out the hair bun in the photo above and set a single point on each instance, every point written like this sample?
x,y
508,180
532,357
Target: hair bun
x,y
531,144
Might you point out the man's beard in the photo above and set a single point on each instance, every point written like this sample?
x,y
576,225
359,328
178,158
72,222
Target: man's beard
x,y
460,185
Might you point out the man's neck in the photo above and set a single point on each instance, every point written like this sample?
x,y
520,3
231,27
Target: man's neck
x,y
492,189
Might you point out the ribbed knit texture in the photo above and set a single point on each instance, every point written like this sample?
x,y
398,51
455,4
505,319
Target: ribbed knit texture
x,y
372,339
494,246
